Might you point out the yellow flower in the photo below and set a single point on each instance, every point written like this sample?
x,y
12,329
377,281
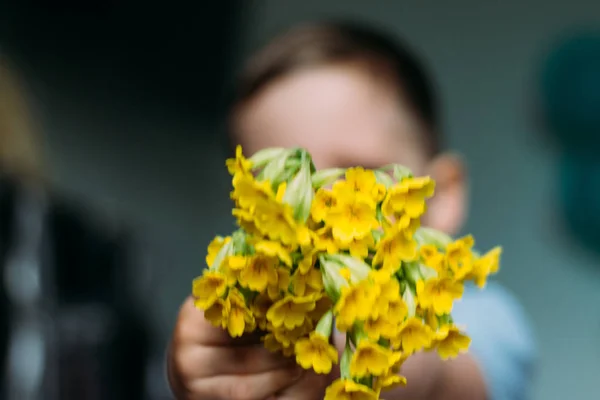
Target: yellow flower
x,y
433,258
322,204
388,291
238,318
397,245
413,336
276,221
389,381
346,273
439,294
214,247
418,190
386,325
230,269
372,359
343,389
359,246
277,291
355,304
208,288
236,262
259,273
408,197
274,249
431,319
271,344
315,352
304,236
451,342
460,257
397,311
305,284
484,266
248,192
288,337
239,164
361,181
352,217
381,276
493,258
215,313
259,307
324,241
309,258
291,311
379,327
245,220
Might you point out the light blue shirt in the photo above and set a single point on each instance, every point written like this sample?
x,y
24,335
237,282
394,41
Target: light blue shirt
x,y
501,340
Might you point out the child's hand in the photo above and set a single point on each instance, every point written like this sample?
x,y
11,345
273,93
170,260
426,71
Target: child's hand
x,y
205,363
310,387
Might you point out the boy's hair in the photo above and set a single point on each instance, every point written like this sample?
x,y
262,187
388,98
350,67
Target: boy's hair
x,y
339,42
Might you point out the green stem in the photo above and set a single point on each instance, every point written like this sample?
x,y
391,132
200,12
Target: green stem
x,y
346,359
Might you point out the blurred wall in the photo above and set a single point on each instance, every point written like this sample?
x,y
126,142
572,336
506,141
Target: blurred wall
x,y
163,167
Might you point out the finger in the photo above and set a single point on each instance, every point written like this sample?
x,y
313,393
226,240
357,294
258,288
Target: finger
x,y
310,386
246,387
193,327
210,361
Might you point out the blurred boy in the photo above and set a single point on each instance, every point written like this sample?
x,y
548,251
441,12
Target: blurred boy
x,y
352,97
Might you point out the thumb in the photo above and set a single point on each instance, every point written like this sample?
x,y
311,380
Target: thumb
x,y
310,386
193,328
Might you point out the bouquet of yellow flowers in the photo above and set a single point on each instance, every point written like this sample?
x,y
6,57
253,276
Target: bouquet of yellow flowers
x,y
338,247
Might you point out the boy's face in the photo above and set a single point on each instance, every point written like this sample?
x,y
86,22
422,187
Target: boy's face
x,y
345,117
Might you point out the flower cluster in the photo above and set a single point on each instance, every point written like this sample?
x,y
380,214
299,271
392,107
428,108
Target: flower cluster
x,y
344,249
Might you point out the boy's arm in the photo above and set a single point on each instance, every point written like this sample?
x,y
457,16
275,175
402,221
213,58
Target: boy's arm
x,y
502,341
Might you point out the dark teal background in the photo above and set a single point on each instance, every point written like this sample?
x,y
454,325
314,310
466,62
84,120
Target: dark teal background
x,y
570,97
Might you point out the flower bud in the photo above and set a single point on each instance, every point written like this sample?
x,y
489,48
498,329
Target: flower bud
x,y
359,270
240,244
358,334
264,156
325,324
427,272
345,361
384,178
333,281
412,272
409,300
225,251
326,177
425,235
275,168
299,193
401,172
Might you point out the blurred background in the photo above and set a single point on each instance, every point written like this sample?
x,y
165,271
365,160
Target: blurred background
x,y
130,94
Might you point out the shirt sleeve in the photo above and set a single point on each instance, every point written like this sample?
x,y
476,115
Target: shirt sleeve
x,y
501,340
